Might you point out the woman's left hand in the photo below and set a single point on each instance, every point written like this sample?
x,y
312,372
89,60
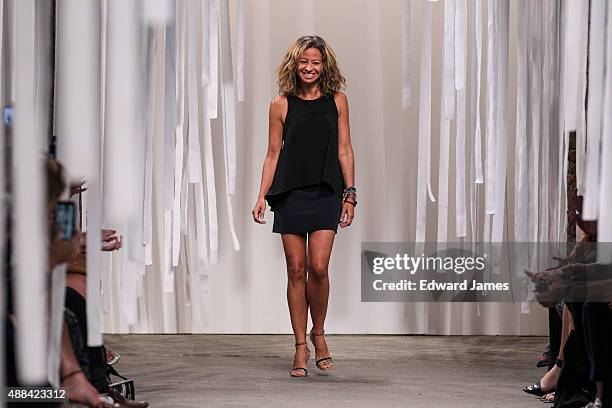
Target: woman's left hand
x,y
347,214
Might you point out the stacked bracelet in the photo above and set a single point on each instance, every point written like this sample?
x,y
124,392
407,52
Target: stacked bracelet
x,y
350,196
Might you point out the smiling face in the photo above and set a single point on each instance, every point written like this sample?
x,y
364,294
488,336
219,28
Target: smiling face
x,y
310,66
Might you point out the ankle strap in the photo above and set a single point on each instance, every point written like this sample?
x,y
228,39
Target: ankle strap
x,y
317,334
300,344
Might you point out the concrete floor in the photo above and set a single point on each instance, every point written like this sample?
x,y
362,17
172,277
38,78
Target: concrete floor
x,y
369,371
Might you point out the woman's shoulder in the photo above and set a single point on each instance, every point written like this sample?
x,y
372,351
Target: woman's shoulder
x,y
279,100
340,94
341,101
279,104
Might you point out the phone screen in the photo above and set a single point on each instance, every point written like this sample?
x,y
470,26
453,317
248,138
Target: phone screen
x,y
64,219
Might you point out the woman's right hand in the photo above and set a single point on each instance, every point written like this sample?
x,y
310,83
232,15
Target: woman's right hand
x,y
259,211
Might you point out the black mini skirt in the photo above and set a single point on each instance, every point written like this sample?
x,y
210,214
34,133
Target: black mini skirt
x,y
307,209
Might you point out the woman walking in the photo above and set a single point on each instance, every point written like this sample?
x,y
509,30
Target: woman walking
x,y
308,180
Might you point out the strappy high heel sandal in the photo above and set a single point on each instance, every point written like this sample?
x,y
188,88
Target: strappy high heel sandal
x,y
296,370
319,362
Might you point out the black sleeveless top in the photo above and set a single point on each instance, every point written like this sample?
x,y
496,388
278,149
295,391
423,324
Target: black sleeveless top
x,y
309,154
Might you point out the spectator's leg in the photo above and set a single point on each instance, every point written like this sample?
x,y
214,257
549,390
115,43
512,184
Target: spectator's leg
x,y
594,319
554,330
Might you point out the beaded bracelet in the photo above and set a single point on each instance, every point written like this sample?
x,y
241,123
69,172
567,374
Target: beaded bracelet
x,y
350,196
353,202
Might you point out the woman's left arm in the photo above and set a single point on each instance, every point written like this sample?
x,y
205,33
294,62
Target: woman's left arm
x,y
345,155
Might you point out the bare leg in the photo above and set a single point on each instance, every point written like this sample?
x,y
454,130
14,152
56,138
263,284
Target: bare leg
x,y
319,251
295,257
599,386
549,381
76,385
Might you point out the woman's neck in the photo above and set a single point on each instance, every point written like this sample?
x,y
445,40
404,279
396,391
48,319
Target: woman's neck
x,y
309,91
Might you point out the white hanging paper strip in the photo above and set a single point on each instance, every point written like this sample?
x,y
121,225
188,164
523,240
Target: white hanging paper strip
x,y
477,130
213,87
124,163
561,207
471,133
78,108
205,43
178,183
78,85
169,115
202,239
449,60
128,281
443,171
604,225
229,115
3,176
240,51
406,53
582,82
56,325
194,154
491,147
535,80
521,156
424,123
94,264
105,257
106,277
30,272
184,198
211,194
150,115
502,25
157,12
135,248
229,105
574,19
181,28
13,54
460,43
443,181
548,88
179,133
594,111
168,270
459,83
460,206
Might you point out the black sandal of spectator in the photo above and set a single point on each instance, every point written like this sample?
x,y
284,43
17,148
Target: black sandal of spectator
x,y
536,389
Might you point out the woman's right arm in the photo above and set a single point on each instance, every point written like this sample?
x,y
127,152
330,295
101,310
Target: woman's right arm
x,y
278,107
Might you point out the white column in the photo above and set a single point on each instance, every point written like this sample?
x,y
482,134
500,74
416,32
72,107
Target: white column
x,y
573,20
594,111
122,129
31,270
78,126
605,195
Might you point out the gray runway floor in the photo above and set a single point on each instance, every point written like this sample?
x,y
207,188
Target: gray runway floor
x,y
369,371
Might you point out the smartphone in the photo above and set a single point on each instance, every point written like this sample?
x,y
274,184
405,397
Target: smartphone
x,y
64,220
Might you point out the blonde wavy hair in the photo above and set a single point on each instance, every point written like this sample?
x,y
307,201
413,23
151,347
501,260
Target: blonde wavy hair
x,y
330,81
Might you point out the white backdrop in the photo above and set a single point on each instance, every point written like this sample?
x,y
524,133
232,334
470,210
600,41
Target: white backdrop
x,y
245,291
